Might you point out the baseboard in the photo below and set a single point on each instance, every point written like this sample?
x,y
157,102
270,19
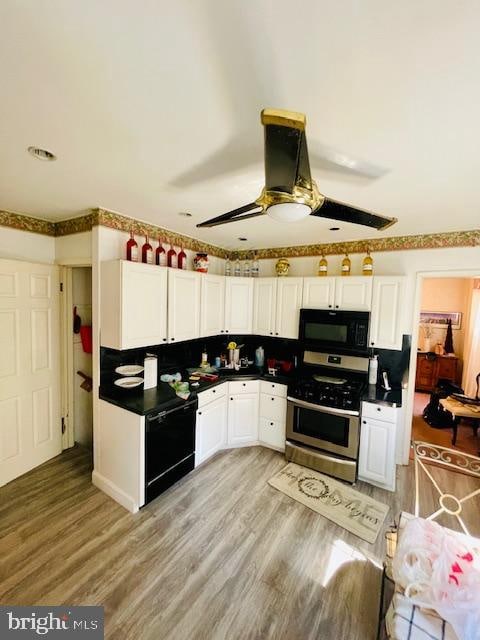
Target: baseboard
x,y
114,492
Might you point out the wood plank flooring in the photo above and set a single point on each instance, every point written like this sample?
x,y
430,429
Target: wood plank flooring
x,y
220,555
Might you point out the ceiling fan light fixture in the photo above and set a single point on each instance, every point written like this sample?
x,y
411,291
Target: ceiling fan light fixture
x,y
289,211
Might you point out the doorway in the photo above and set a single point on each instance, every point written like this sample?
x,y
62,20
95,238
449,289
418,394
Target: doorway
x,y
77,357
442,365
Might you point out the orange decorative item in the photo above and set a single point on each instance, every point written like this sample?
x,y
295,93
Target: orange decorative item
x,y
200,262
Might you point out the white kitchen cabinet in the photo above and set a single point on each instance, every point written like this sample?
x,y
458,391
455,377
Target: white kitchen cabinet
x,y
211,429
386,320
349,293
133,306
264,306
318,292
183,305
353,293
376,458
273,414
212,305
238,305
243,412
289,303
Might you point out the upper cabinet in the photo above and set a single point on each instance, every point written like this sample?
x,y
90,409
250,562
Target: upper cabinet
x,y
289,303
183,305
238,305
212,305
349,293
264,306
386,320
318,293
133,307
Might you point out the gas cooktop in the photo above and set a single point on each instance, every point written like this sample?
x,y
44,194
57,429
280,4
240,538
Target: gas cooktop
x,y
339,393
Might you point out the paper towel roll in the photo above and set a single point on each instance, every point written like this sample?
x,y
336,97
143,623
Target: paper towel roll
x,y
150,372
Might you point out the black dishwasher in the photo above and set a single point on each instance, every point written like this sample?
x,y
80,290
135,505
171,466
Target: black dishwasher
x,y
169,447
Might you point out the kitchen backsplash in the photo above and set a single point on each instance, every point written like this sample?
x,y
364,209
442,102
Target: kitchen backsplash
x,y
189,353
172,357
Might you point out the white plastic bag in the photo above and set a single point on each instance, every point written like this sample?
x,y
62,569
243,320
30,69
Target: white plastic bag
x,y
440,570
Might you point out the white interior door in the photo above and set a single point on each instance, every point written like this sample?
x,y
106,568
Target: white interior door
x,y
30,423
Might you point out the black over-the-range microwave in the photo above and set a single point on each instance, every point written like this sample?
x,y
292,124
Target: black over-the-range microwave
x,y
337,331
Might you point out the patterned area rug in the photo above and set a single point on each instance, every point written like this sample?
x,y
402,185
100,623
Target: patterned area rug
x,y
338,502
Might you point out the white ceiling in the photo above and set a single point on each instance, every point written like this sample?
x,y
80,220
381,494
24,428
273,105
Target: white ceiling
x,y
153,108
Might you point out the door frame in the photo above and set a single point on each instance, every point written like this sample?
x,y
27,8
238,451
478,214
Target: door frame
x,y
420,277
66,350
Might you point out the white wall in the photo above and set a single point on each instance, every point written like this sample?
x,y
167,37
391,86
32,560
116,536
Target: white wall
x,y
74,249
23,245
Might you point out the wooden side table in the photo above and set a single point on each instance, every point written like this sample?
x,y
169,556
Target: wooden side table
x,y
459,411
430,368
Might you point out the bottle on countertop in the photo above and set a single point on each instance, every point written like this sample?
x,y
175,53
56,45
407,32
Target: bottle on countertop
x,y
255,267
246,268
147,252
132,248
228,267
204,362
373,370
323,266
259,357
367,267
182,259
172,258
160,255
346,265
238,268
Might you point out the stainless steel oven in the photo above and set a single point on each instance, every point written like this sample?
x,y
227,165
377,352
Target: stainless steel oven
x,y
323,438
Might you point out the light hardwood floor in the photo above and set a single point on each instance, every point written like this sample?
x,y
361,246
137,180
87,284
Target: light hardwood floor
x,y
221,555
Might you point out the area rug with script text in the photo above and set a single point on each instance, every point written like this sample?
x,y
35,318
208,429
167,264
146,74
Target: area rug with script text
x,y
338,502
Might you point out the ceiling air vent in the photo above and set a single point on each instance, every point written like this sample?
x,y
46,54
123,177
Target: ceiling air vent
x,y
41,154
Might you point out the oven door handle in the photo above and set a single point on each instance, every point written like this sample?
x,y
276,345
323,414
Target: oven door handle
x,y
321,408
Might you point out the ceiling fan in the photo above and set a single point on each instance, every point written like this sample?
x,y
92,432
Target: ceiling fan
x,y
290,194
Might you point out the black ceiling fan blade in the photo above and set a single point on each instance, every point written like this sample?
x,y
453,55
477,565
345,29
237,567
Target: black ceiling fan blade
x,y
345,213
241,213
286,157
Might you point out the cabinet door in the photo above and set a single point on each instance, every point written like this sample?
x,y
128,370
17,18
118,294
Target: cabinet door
x,y
386,321
318,293
272,433
353,293
447,368
238,305
264,299
212,305
425,376
376,459
143,311
211,429
242,418
289,302
183,305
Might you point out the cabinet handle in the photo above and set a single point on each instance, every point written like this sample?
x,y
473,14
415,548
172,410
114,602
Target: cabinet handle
x,y
364,422
379,409
336,306
164,339
273,399
221,330
244,384
231,398
276,333
172,339
273,386
271,333
214,390
372,343
199,413
271,424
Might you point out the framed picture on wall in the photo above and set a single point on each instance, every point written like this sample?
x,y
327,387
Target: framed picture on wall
x,y
439,319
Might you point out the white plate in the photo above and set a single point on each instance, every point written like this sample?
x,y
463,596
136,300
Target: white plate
x,y
129,383
129,369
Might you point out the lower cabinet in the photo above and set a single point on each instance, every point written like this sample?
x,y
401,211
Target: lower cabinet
x,y
273,415
376,460
242,418
211,430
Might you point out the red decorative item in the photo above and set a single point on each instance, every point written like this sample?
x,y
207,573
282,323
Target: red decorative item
x,y
182,259
147,252
200,262
86,336
160,255
132,249
172,257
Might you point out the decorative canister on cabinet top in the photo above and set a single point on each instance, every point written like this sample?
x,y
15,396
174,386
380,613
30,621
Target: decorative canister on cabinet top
x,y
282,267
200,262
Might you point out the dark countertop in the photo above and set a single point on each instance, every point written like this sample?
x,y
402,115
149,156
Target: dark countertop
x,y
378,395
164,397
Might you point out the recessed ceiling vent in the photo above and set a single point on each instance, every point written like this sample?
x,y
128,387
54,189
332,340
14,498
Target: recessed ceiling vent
x,y
41,154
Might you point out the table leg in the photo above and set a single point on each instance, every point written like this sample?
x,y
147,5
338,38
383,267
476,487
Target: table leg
x,y
455,430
